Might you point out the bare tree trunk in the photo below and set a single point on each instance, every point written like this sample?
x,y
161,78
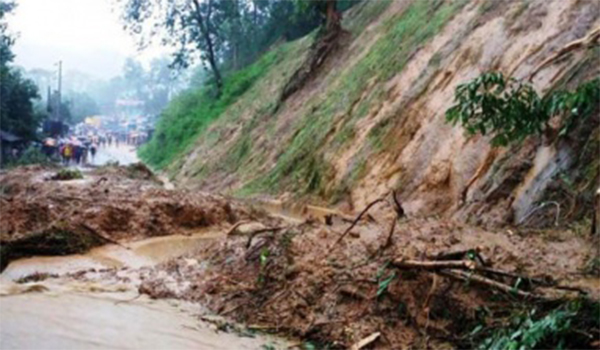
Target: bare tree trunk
x,y
333,18
204,24
324,44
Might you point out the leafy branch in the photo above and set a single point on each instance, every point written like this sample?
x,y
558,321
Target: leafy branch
x,y
511,110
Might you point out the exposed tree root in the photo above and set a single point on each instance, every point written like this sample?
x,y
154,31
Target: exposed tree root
x,y
324,44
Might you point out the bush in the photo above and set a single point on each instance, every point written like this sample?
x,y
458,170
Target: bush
x,y
511,110
67,174
31,155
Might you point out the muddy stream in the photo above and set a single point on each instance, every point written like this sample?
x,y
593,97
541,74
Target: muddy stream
x,y
61,313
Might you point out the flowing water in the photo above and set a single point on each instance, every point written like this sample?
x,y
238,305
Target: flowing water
x,y
75,315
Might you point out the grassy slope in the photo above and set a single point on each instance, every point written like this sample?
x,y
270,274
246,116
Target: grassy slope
x,y
301,167
300,164
188,115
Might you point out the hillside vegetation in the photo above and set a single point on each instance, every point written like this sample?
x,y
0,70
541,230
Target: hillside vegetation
x,y
372,118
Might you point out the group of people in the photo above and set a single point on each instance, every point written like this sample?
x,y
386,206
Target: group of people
x,y
77,153
107,140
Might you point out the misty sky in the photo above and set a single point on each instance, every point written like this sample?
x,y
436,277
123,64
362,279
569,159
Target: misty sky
x,y
85,34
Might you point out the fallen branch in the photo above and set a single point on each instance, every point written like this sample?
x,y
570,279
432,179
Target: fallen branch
x,y
387,243
461,254
357,220
464,276
434,265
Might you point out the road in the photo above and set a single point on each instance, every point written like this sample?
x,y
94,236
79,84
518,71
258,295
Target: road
x,y
124,154
72,320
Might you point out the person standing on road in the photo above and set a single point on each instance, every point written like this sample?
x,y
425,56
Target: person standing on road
x,y
93,151
77,154
67,153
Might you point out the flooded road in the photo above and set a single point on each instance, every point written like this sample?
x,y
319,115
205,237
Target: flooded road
x,y
66,314
97,321
124,154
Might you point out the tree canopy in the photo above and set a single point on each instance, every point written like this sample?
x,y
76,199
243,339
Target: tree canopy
x,y
17,114
224,34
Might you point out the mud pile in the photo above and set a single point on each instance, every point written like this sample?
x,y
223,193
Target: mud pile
x,y
298,281
41,216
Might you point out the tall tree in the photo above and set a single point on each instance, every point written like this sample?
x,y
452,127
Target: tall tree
x,y
187,25
17,114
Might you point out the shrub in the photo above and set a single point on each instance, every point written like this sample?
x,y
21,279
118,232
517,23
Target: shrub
x,y
67,174
31,155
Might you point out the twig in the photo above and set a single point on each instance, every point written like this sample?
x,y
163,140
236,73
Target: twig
x,y
397,206
460,254
430,294
510,274
102,179
455,255
543,205
434,265
387,243
357,220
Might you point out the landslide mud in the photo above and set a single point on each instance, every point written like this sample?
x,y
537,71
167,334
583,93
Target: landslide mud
x,y
295,281
111,204
289,275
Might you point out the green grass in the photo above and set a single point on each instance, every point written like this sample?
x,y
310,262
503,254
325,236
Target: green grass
x,y
301,166
363,14
192,112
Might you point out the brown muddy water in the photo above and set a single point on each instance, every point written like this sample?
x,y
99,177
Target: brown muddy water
x,y
65,314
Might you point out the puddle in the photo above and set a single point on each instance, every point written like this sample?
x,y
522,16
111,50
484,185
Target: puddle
x,y
142,253
65,314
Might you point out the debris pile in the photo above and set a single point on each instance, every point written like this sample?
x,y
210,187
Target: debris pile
x,y
390,283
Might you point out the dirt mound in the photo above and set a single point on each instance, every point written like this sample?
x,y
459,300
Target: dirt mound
x,y
108,204
296,280
136,171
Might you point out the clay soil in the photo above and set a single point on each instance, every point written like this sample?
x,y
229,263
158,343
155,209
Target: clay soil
x,y
42,216
294,278
297,281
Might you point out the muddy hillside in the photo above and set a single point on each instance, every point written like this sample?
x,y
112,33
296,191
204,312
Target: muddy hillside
x,y
371,117
317,278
